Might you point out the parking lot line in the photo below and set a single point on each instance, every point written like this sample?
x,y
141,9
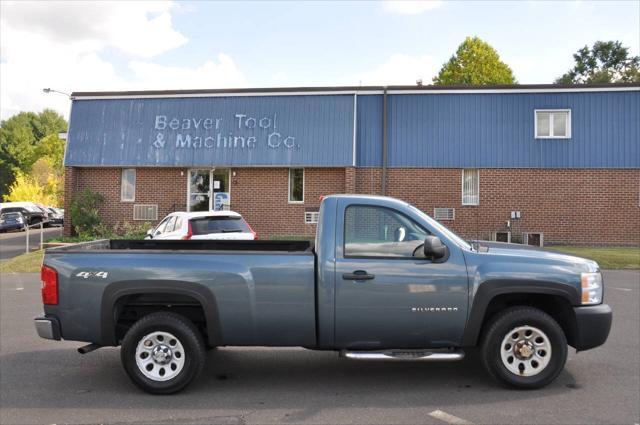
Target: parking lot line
x,y
450,419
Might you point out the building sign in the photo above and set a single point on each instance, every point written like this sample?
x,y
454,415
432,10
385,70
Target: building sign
x,y
212,131
246,132
221,201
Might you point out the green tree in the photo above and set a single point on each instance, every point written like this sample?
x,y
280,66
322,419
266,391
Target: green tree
x,y
605,62
49,122
25,188
20,138
475,63
51,147
44,185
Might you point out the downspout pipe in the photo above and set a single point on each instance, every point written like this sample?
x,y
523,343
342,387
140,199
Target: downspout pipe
x,y
385,142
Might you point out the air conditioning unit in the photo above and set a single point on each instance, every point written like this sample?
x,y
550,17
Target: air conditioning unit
x,y
533,238
444,213
501,236
147,212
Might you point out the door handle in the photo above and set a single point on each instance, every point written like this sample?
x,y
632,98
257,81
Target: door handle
x,y
358,275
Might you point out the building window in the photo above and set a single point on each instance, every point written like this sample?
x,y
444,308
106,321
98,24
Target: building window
x,y
470,187
553,124
296,185
128,185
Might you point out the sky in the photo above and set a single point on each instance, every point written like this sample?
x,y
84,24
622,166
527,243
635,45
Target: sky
x,y
93,46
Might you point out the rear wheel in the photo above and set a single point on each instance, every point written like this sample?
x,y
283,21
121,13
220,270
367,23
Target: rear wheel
x,y
162,353
524,347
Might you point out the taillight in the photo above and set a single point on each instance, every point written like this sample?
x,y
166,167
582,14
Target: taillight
x,y
189,232
255,235
49,279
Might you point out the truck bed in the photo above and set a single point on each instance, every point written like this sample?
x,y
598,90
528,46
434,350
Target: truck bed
x,y
256,292
189,245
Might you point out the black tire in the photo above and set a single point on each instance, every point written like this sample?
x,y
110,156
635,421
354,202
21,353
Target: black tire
x,y
188,337
503,325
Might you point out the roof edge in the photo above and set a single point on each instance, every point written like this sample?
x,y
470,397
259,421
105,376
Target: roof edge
x,y
361,89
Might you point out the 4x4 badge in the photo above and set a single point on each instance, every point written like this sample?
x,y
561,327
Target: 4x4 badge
x,y
87,275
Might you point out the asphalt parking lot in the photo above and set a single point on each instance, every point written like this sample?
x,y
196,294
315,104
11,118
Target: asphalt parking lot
x,y
14,243
49,382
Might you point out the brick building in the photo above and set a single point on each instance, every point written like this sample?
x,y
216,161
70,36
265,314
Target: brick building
x,y
502,162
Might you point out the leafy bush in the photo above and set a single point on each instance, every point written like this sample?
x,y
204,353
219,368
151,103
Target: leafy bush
x,y
128,230
84,212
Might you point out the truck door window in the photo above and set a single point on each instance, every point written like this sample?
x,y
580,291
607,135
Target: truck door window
x,y
380,232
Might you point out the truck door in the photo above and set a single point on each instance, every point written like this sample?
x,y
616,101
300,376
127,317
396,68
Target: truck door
x,y
388,295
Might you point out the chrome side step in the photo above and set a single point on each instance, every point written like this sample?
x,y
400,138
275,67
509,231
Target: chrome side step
x,y
406,355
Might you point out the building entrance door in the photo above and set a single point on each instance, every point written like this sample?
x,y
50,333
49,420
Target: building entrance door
x,y
209,190
221,190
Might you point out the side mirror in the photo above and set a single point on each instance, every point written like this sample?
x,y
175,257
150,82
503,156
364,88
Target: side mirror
x,y
150,232
434,248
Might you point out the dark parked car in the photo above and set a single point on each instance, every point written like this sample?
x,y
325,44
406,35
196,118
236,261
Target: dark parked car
x,y
56,216
12,221
31,214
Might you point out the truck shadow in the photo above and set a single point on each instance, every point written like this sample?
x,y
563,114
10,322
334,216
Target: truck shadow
x,y
256,378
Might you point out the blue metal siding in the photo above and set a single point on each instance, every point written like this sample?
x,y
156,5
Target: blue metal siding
x,y
122,132
497,130
462,130
369,131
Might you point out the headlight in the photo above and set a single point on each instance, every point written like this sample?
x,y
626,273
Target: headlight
x,y
591,288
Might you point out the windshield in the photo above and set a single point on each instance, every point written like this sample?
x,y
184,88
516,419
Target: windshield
x,y
442,229
207,225
11,216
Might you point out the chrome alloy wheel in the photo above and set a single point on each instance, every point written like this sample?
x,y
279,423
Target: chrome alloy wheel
x,y
160,356
525,351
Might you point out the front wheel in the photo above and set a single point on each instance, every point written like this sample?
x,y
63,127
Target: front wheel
x,y
162,353
524,347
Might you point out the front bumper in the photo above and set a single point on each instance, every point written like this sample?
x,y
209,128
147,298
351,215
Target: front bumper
x,y
593,324
13,226
48,327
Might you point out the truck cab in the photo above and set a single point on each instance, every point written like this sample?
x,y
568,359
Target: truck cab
x,y
389,291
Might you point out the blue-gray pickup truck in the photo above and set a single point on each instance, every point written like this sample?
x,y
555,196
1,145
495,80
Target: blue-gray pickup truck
x,y
383,281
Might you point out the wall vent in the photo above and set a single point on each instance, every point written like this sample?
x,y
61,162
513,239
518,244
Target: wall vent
x,y
146,212
501,236
533,238
311,217
444,213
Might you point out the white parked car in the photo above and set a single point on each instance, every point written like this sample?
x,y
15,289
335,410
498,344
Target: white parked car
x,y
216,225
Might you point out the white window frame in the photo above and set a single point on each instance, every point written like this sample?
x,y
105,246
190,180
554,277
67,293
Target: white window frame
x,y
311,217
551,112
289,185
135,177
477,170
